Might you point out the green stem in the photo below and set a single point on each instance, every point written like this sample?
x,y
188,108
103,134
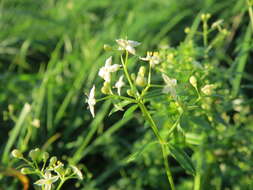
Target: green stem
x,y
60,184
161,142
205,33
124,63
250,13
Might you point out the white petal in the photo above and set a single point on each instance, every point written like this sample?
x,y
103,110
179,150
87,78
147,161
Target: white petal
x,y
92,92
114,68
133,43
108,61
77,172
130,49
41,182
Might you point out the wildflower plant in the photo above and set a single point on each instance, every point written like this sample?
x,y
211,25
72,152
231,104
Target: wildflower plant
x,y
51,172
170,85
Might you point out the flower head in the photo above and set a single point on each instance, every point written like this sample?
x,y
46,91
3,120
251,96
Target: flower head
x,y
152,57
119,84
105,71
92,101
47,180
128,45
170,85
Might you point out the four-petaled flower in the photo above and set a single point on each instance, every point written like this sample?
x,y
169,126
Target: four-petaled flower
x,y
170,85
47,181
119,84
105,71
92,101
152,57
128,45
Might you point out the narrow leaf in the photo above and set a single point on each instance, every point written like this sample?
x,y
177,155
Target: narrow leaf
x,y
183,159
138,153
130,111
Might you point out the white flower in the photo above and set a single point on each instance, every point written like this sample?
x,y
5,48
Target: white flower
x,y
152,57
208,89
92,101
77,172
119,84
105,71
170,85
127,45
47,181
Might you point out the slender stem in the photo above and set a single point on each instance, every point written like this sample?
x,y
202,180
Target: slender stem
x,y
161,142
250,12
124,63
205,32
60,184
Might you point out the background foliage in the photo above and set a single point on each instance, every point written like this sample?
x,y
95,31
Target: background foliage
x,y
50,52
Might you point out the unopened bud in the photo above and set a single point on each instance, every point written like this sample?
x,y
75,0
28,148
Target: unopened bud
x,y
106,89
53,160
107,47
26,171
34,154
45,156
141,81
187,30
17,154
193,81
130,93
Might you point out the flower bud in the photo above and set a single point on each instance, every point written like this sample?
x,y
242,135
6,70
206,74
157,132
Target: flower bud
x,y
193,81
140,81
207,89
106,89
130,92
53,160
34,154
26,171
17,154
187,30
107,47
45,156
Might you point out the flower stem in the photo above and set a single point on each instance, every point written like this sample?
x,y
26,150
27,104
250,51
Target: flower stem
x,y
161,142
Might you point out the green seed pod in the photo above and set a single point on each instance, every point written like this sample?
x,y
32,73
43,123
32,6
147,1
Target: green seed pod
x,y
17,154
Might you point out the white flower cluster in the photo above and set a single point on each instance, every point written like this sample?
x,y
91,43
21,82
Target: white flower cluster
x,y
106,71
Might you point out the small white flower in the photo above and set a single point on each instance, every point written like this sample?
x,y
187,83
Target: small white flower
x,y
77,172
105,71
208,89
92,101
47,181
119,84
170,85
152,57
128,45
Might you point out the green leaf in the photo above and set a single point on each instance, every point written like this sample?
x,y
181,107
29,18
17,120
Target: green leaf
x,y
183,159
138,153
130,111
119,106
193,138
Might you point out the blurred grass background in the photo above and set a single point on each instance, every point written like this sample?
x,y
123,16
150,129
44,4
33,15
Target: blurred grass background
x,y
50,52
